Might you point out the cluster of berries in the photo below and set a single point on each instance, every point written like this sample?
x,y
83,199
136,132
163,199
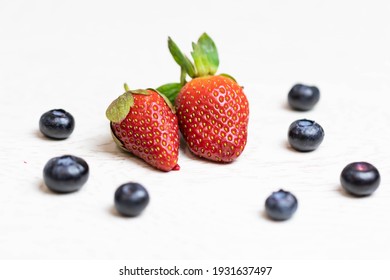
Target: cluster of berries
x,y
68,173
357,178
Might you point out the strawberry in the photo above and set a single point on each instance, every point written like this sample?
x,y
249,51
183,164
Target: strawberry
x,y
212,110
144,123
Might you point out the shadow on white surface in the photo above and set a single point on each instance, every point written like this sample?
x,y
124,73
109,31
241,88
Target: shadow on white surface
x,y
287,146
43,188
287,107
344,193
113,212
108,146
36,133
263,215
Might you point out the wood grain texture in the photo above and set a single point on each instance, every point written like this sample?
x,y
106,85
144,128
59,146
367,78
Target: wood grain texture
x,y
205,210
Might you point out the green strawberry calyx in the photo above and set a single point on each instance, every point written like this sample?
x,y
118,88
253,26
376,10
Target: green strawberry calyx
x,y
120,107
206,62
205,56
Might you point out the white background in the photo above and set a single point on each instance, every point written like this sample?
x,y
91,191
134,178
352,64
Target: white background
x,y
76,55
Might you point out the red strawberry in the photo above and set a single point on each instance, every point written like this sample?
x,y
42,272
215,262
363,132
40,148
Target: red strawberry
x,y
143,122
213,111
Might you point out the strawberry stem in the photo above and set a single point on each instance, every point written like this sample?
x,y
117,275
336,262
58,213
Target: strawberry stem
x,y
126,87
183,75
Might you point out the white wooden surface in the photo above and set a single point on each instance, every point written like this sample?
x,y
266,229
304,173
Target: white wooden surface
x,y
76,55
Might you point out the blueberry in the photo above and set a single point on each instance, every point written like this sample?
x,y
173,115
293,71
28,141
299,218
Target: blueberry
x,y
305,135
65,174
303,97
281,205
131,199
360,178
56,124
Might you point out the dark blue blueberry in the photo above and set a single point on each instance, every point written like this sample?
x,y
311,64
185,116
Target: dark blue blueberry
x,y
303,98
360,178
56,124
305,135
65,174
281,205
131,199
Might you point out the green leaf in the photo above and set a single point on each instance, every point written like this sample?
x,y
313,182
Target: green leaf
x,y
181,59
210,50
200,60
228,76
170,91
120,107
205,56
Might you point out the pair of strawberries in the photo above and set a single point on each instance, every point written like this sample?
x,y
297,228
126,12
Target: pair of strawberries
x,y
210,110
